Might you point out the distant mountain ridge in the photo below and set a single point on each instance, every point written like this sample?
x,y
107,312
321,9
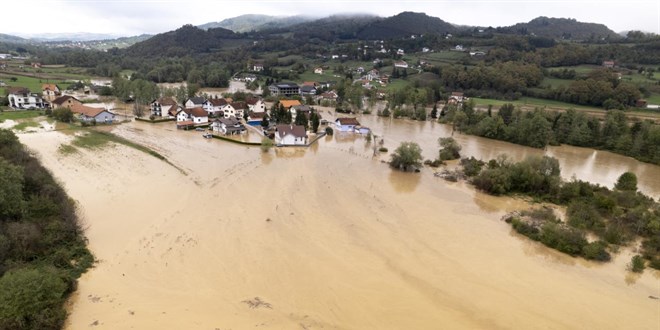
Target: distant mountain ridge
x,y
255,22
405,24
565,28
185,40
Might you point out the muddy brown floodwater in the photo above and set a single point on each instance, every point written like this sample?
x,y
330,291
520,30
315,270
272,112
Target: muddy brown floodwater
x,y
326,237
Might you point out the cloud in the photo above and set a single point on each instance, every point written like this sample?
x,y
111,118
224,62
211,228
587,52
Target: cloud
x,y
155,16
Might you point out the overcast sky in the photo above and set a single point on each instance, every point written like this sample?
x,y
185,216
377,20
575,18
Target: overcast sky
x,y
127,17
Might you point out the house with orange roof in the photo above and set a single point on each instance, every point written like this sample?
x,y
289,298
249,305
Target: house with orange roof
x,y
50,91
289,103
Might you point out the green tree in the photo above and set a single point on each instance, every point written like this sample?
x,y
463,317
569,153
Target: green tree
x,y
315,121
434,111
636,264
626,182
63,114
301,119
32,299
449,149
407,155
264,121
266,144
11,190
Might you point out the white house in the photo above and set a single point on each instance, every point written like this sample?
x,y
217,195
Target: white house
x,y
234,109
400,52
290,135
318,70
89,114
215,106
195,102
50,91
22,98
401,64
456,97
346,124
256,105
164,107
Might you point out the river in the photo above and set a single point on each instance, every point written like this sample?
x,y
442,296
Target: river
x,y
327,237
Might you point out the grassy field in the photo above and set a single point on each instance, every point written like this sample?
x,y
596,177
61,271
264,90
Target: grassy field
x,y
22,126
555,82
328,75
443,57
33,84
579,69
530,101
23,114
654,99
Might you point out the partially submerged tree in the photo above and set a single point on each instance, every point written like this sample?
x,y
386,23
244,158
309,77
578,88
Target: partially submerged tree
x,y
450,149
406,156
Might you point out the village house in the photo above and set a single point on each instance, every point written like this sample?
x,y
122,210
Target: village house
x,y
608,64
191,117
258,66
290,135
308,90
329,96
298,109
22,98
400,52
92,115
284,89
346,124
287,104
164,107
64,101
195,102
50,91
214,107
401,64
372,75
456,97
255,118
318,70
227,126
256,104
234,109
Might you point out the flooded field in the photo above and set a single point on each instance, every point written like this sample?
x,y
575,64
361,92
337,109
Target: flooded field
x,y
327,237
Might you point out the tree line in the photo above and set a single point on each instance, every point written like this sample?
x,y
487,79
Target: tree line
x,y
540,128
42,248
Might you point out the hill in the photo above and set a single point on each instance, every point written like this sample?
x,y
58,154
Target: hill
x,y
253,22
404,25
183,41
561,28
12,39
333,27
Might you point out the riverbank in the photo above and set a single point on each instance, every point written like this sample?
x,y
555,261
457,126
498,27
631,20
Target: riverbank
x,y
324,237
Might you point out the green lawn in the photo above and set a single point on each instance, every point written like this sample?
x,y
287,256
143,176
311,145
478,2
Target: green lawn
x,y
328,75
580,69
22,126
530,101
555,82
653,99
21,114
33,84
